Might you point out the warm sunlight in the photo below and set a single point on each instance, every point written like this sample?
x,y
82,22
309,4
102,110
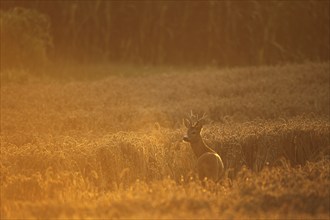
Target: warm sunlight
x,y
165,109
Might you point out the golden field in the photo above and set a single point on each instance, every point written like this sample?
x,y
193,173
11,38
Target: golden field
x,y
79,147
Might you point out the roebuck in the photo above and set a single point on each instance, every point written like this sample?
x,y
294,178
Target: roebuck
x,y
209,163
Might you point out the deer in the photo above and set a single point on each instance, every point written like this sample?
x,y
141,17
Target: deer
x,y
209,163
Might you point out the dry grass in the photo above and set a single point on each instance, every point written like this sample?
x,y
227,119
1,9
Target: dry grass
x,y
111,148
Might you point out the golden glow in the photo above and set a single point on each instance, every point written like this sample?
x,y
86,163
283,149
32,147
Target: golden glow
x,y
93,94
112,147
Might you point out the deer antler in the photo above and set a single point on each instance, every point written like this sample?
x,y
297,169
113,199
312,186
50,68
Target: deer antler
x,y
195,120
201,121
202,118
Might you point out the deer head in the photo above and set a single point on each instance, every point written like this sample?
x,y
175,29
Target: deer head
x,y
194,125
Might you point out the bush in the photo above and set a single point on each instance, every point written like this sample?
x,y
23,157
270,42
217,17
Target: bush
x,y
25,38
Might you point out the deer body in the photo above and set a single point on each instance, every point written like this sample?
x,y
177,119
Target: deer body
x,y
209,163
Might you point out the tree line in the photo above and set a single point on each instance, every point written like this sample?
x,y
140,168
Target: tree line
x,y
224,33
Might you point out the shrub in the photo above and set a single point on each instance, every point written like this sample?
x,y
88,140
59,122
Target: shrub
x,y
25,38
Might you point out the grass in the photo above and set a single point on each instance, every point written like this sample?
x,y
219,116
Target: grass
x,y
111,147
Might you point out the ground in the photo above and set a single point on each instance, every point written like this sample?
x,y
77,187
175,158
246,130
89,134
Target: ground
x,y
80,146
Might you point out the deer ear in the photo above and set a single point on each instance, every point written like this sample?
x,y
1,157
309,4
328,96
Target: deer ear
x,y
200,123
186,123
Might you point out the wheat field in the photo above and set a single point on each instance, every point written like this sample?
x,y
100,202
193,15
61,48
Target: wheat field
x,y
77,147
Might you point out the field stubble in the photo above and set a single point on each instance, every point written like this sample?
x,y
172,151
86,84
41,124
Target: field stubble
x,y
112,147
